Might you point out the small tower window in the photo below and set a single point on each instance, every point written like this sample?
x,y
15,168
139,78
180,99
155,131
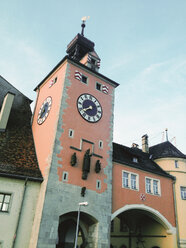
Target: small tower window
x,y
101,144
93,61
176,164
84,79
65,176
98,184
71,133
98,86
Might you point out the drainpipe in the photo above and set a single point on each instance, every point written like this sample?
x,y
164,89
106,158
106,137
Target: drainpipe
x,y
176,215
20,212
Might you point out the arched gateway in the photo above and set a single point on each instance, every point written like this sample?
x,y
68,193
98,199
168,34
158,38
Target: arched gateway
x,y
67,230
137,225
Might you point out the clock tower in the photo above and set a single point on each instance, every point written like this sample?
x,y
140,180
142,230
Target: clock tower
x,y
73,130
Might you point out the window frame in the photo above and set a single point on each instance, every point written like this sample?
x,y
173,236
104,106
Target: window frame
x,y
83,76
155,187
100,144
125,179
3,203
98,184
135,159
71,133
176,164
148,185
130,181
151,188
133,181
183,192
97,83
65,176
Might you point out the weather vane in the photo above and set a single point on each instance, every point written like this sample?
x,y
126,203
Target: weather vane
x,y
83,23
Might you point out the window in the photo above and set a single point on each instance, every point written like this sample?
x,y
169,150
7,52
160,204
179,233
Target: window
x,y
98,86
133,181
84,79
152,186
65,176
71,133
130,180
148,185
176,164
125,179
183,192
52,82
101,144
135,160
98,184
4,202
155,187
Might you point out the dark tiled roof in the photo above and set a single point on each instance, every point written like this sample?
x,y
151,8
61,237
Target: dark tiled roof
x,y
124,155
17,151
165,150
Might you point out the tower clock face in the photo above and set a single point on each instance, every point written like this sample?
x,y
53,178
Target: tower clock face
x,y
89,108
44,110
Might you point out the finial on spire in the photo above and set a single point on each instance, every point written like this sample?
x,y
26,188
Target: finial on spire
x,y
83,23
166,130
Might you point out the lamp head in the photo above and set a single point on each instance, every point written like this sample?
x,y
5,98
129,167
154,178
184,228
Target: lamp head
x,y
83,203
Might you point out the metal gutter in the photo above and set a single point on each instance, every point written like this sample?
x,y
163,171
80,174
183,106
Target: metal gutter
x,y
21,177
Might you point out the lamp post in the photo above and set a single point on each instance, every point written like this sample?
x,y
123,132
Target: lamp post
x,y
77,226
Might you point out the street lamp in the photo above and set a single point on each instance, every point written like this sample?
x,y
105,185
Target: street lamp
x,y
77,226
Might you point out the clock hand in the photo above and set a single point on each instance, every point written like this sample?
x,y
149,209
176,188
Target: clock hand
x,y
42,112
85,109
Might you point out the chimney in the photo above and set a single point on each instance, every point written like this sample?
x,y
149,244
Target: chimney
x,y
5,110
145,145
134,145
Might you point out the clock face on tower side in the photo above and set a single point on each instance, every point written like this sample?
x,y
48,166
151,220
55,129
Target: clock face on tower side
x,y
44,110
89,108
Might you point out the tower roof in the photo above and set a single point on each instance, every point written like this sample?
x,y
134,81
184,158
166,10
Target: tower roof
x,y
79,47
165,150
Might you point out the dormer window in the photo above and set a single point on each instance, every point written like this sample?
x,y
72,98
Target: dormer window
x,y
135,160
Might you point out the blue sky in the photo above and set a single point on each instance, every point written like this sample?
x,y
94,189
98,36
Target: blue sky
x,y
142,46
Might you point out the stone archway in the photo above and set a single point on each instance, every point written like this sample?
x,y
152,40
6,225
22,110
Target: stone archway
x,y
150,211
141,226
67,230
